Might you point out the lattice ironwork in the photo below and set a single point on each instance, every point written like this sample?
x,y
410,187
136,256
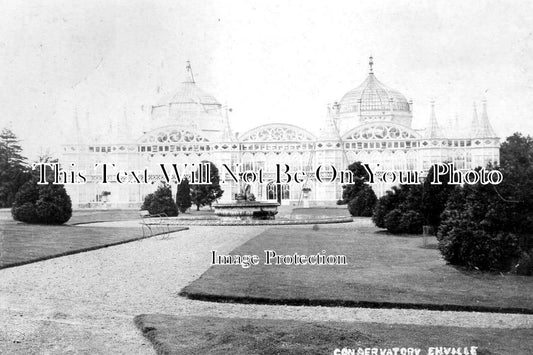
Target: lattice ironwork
x,y
387,131
277,133
172,135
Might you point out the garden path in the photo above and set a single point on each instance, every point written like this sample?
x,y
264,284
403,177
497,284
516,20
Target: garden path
x,y
85,303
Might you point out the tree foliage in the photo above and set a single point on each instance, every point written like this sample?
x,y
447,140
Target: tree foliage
x,y
414,205
160,202
360,176
403,199
206,194
43,204
359,196
363,203
13,169
488,227
183,196
434,198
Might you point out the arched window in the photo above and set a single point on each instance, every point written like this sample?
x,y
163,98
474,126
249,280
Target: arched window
x,y
285,192
271,191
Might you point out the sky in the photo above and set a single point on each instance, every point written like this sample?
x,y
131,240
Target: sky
x,y
269,61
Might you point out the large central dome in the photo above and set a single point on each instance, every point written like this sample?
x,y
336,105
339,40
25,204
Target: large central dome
x,y
373,101
372,95
189,93
191,107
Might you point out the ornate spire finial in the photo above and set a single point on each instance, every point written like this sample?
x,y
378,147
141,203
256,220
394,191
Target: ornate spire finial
x,y
370,64
485,128
189,72
433,130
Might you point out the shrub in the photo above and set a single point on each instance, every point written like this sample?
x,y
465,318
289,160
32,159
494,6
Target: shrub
x,y
384,205
160,202
524,266
489,250
147,202
364,202
398,221
411,222
392,221
404,198
46,204
481,225
468,238
24,213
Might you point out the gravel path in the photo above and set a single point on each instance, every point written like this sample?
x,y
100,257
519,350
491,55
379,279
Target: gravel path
x,y
85,303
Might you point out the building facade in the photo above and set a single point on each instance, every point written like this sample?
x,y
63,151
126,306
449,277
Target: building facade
x,y
370,123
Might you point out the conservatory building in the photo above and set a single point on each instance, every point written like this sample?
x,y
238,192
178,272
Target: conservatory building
x,y
370,123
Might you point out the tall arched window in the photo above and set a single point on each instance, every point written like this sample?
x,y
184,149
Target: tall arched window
x,y
271,191
285,192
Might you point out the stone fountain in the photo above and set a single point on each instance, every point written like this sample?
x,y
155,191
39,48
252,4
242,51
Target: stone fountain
x,y
246,207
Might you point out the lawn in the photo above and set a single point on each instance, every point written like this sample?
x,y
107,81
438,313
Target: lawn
x,y
88,216
25,243
211,335
383,271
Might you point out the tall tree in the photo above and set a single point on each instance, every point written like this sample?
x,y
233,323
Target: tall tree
x,y
360,177
13,169
183,196
206,194
434,197
489,226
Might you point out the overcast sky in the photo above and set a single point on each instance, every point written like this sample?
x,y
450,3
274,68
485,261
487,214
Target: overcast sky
x,y
270,61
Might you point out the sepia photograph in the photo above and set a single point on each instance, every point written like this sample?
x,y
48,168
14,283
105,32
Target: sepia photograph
x,y
266,177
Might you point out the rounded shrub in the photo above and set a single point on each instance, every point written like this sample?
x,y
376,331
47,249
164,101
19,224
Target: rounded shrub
x,y
392,221
160,202
44,204
24,213
463,243
411,222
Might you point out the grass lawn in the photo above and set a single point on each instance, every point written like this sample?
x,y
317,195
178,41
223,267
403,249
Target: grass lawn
x,y
382,271
24,243
210,335
88,216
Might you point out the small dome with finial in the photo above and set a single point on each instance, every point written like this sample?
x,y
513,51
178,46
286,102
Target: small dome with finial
x,y
373,96
189,93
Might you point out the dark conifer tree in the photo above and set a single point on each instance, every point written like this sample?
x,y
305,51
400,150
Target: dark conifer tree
x,y
206,194
183,196
13,169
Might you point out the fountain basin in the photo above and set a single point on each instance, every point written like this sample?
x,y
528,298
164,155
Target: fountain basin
x,y
246,210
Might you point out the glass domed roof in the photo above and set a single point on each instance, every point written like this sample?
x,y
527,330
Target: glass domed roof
x,y
189,93
372,95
